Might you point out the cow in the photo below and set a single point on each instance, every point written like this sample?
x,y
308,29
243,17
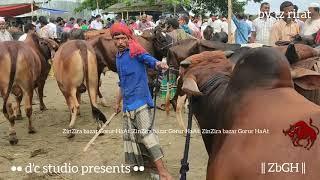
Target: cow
x,y
258,93
182,50
154,41
75,68
209,35
24,66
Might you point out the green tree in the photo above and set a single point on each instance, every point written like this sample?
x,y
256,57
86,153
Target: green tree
x,y
92,4
221,6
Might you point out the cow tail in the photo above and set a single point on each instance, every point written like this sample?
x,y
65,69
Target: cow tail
x,y
315,127
97,114
13,58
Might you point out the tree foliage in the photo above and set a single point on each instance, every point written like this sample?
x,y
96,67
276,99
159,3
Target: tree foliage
x,y
198,6
92,4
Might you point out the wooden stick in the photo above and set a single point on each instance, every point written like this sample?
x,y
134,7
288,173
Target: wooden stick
x,y
97,134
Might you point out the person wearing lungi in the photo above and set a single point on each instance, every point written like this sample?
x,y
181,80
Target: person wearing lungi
x,y
141,143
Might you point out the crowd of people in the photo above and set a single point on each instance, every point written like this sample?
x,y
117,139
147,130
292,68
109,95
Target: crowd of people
x,y
266,29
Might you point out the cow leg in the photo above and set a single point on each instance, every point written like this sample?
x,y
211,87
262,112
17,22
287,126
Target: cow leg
x,y
40,91
28,110
307,143
79,101
73,107
17,91
9,115
180,103
103,101
17,109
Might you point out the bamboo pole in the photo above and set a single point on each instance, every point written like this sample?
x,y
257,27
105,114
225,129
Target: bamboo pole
x,y
32,10
229,20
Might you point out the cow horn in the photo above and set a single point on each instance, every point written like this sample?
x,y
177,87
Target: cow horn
x,y
228,53
190,87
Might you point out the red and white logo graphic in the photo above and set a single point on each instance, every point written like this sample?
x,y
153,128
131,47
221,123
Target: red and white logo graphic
x,y
302,131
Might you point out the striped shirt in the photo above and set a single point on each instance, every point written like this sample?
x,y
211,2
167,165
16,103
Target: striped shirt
x,y
263,27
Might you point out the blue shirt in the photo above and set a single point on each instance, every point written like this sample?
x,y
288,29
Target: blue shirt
x,y
242,32
133,79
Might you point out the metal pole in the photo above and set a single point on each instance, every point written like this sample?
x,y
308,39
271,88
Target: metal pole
x,y
229,20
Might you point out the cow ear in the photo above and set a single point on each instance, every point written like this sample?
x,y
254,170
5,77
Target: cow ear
x,y
190,87
306,79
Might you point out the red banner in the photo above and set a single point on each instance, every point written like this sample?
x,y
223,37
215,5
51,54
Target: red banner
x,y
16,10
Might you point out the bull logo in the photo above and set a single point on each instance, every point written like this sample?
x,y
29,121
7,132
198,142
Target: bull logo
x,y
302,131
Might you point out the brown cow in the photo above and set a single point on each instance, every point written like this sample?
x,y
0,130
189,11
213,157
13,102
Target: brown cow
x,y
155,43
24,66
299,55
258,94
74,65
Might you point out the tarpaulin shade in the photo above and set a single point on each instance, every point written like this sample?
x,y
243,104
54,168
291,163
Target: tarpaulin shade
x,y
53,11
15,10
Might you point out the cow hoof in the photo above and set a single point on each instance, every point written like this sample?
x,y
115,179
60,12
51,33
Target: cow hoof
x,y
13,139
43,108
18,117
32,130
70,135
103,102
98,128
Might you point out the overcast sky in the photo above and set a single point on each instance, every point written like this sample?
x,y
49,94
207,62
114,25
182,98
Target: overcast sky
x,y
253,8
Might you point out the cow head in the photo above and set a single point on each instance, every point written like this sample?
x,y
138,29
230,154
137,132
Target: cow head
x,y
48,47
305,78
196,70
162,41
298,52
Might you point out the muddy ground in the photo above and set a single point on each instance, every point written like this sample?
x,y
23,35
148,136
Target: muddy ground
x,y
50,145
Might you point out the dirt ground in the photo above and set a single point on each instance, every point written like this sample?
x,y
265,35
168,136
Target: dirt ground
x,y
50,146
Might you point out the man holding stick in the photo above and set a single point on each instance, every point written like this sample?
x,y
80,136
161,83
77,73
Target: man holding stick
x,y
131,60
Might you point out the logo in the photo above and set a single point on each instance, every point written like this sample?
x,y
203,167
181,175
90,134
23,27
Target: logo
x,y
302,131
288,167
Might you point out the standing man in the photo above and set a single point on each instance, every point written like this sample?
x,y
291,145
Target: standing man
x,y
52,28
183,21
28,28
4,34
286,28
97,24
217,25
297,19
144,24
261,27
312,25
243,29
131,62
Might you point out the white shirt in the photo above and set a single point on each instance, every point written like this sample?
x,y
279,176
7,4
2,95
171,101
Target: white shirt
x,y
311,27
52,29
217,26
225,25
263,28
250,25
5,36
23,37
96,25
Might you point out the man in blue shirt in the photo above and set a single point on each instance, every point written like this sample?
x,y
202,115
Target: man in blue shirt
x,y
243,29
141,144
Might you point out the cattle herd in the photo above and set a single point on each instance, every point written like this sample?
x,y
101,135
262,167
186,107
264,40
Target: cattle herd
x,y
229,87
